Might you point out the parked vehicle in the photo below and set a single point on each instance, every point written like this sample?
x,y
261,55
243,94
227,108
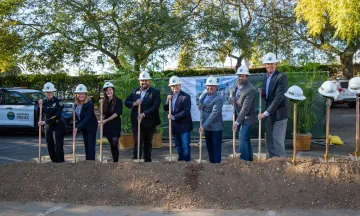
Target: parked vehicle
x,y
345,95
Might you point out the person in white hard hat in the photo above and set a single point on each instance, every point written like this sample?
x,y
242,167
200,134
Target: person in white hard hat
x,y
244,101
181,118
149,98
87,122
211,105
277,111
112,109
52,108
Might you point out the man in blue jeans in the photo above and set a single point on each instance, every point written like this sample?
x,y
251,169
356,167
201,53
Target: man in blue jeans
x,y
181,118
244,102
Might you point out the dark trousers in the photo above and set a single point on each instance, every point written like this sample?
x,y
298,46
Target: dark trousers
x,y
146,135
55,149
114,144
89,143
213,145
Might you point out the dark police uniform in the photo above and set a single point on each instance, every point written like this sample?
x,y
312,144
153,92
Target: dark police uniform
x,y
52,109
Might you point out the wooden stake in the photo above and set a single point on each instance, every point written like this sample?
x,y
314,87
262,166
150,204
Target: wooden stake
x,y
170,134
294,136
328,104
40,118
74,136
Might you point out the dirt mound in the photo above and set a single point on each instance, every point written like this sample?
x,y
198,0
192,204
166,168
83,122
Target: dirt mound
x,y
232,184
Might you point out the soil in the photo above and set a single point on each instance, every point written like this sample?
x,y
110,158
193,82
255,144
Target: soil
x,y
233,184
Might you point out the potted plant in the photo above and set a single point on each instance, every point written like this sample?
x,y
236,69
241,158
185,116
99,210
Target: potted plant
x,y
306,117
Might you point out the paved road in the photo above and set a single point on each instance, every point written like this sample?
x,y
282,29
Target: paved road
x,y
17,147
61,209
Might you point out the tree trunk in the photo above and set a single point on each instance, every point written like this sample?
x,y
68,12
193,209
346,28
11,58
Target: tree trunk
x,y
346,59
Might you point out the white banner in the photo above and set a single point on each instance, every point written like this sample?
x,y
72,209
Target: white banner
x,y
194,86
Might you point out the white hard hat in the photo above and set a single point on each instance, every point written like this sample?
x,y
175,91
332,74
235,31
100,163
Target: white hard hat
x,y
242,70
81,88
354,85
108,85
269,58
144,76
295,93
174,80
212,81
49,87
328,89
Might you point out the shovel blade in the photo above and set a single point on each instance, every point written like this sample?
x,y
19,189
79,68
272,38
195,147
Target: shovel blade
x,y
237,155
200,161
138,161
353,158
173,158
262,156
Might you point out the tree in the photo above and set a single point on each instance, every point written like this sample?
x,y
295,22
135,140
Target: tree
x,y
75,29
11,42
187,54
334,27
225,26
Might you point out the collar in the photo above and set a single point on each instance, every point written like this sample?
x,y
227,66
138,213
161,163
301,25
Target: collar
x,y
144,89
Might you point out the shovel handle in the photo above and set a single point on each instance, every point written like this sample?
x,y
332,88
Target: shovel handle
x,y
170,134
74,136
138,137
40,118
259,139
101,130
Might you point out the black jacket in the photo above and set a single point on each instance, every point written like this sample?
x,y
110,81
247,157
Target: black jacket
x,y
276,102
181,113
87,121
52,109
149,106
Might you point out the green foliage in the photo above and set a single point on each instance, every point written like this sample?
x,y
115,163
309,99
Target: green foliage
x,y
343,16
309,83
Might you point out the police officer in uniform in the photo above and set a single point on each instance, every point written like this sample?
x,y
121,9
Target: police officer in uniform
x,y
52,108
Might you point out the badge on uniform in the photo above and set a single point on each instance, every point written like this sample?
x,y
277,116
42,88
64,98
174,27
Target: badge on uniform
x,y
61,103
54,104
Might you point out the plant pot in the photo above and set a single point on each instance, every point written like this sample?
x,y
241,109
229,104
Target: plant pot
x,y
157,140
126,141
303,142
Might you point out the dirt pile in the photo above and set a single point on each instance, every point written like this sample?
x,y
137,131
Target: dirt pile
x,y
232,184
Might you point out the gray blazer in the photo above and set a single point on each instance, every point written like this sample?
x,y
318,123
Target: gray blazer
x,y
245,104
276,102
212,113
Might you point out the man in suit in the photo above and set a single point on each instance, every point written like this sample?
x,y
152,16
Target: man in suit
x,y
275,85
181,118
211,105
149,98
244,96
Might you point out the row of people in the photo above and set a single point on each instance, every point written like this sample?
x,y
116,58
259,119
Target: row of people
x,y
210,103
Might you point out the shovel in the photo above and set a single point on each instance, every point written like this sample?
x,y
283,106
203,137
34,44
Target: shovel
x,y
200,144
170,158
138,137
260,156
40,118
74,136
355,157
234,154
326,159
101,127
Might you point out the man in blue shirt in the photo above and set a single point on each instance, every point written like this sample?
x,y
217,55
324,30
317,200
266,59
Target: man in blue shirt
x,y
181,118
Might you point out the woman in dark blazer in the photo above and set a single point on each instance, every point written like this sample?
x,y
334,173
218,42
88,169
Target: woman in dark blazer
x,y
87,122
112,108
